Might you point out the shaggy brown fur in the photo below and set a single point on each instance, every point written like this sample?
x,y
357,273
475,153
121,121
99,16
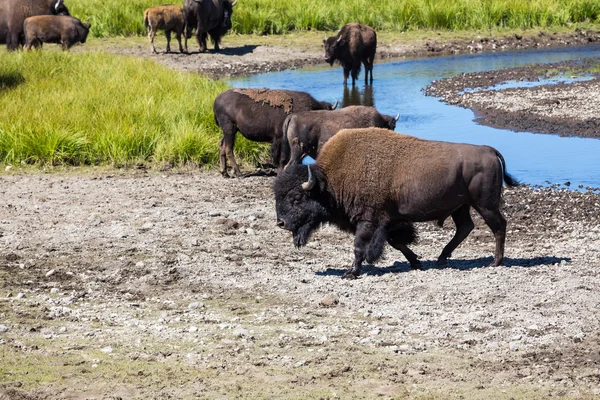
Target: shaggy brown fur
x,y
62,30
371,181
305,133
274,98
169,18
353,45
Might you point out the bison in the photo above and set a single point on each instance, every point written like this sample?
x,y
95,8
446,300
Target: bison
x,y
210,18
14,12
305,133
373,182
354,44
169,18
258,114
63,30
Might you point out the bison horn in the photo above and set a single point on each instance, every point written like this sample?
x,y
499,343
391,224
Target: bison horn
x,y
233,4
335,105
397,116
308,185
339,38
57,4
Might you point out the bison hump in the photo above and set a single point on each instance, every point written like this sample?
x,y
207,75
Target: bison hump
x,y
274,98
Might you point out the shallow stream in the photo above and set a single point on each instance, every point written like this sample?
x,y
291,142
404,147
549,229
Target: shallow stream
x,y
537,159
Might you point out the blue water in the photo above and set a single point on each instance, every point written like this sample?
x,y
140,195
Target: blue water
x,y
536,159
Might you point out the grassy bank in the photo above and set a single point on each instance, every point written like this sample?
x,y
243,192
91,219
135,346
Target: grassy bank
x,y
93,108
116,18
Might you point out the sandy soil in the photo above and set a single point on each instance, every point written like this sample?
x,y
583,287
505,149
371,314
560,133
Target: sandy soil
x,y
178,284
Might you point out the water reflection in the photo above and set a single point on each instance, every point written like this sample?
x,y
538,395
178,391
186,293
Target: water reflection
x,y
355,97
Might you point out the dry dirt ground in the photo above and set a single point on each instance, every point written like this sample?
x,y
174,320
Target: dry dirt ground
x,y
146,284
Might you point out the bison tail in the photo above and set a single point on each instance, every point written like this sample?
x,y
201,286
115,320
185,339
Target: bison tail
x,y
146,22
509,180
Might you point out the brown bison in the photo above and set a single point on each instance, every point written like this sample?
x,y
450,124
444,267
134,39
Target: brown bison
x,y
209,18
374,183
14,12
305,133
353,45
62,30
258,114
169,18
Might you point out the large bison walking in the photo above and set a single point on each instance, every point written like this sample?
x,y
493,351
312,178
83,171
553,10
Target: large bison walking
x,y
306,132
209,18
258,114
14,12
353,45
372,182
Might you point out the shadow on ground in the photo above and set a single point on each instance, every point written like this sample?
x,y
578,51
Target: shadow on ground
x,y
462,265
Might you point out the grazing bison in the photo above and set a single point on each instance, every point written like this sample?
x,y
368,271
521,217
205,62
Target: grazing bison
x,y
305,133
62,30
210,18
372,182
14,12
169,18
353,45
258,114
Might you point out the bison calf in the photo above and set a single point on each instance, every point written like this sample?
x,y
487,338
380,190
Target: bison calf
x,y
353,45
168,18
62,30
375,183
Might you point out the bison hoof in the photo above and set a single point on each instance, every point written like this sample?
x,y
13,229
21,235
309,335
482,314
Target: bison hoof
x,y
349,275
442,262
416,265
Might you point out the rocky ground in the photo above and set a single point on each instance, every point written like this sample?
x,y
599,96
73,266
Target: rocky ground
x,y
178,284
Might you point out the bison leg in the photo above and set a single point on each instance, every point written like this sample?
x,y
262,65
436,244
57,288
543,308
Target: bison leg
x,y
365,232
201,37
226,147
397,240
168,35
346,74
151,34
178,37
368,69
355,71
464,226
497,223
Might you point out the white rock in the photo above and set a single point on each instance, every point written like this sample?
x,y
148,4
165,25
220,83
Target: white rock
x,y
241,332
3,328
193,329
54,290
50,273
107,349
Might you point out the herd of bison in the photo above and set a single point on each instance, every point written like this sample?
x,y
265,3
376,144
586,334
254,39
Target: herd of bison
x,y
365,180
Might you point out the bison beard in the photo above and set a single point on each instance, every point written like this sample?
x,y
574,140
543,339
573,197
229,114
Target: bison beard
x,y
303,207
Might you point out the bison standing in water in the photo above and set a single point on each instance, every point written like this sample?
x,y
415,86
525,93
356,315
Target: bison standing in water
x,y
210,18
14,12
353,45
62,30
258,114
374,183
306,132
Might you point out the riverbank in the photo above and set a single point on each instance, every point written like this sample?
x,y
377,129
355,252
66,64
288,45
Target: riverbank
x,y
141,284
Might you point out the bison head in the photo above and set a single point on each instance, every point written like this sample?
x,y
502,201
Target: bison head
x,y
332,46
58,7
301,201
227,11
391,121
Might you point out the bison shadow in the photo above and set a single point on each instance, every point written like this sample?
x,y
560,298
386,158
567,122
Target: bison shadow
x,y
231,51
462,265
11,80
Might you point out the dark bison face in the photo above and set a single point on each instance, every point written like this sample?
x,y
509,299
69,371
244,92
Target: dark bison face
x,y
299,202
227,12
391,121
328,106
59,8
332,45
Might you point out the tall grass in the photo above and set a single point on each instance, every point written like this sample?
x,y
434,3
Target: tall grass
x,y
94,108
120,18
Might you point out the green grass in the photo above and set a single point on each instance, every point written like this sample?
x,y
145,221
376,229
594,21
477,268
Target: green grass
x,y
117,18
94,108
